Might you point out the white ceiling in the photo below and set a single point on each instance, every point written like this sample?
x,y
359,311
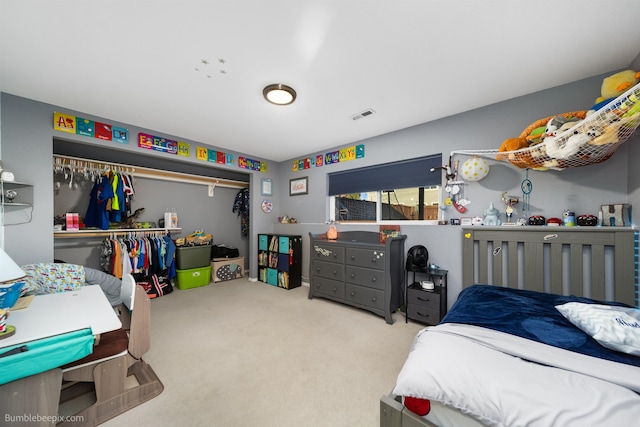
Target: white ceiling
x,y
141,62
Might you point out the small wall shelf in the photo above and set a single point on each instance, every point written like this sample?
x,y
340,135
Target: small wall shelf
x,y
23,199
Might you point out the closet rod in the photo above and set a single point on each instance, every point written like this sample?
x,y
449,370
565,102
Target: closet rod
x,y
143,172
115,232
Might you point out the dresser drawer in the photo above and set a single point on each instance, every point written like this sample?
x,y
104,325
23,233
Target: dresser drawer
x,y
365,277
359,295
330,253
368,258
424,298
328,287
330,270
423,314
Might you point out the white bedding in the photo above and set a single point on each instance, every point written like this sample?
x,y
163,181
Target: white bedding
x,y
448,366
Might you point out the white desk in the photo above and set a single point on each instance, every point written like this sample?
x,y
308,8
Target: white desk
x,y
59,313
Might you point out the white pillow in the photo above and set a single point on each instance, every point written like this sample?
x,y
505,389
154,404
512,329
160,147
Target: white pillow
x,y
616,328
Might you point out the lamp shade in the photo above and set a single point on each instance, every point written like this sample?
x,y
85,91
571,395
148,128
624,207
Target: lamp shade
x,y
9,270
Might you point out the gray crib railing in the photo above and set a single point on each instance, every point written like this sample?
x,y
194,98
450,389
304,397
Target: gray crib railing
x,y
598,263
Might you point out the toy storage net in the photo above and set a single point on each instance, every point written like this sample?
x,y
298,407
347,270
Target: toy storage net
x,y
591,140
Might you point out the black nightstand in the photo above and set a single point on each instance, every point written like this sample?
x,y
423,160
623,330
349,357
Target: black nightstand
x,y
426,306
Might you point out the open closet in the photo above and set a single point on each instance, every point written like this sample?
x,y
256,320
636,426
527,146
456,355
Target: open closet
x,y
202,197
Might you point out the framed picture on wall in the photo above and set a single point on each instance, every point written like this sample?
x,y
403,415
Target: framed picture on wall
x,y
265,187
298,186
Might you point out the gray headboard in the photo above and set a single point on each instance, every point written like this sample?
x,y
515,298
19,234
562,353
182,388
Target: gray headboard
x,y
594,262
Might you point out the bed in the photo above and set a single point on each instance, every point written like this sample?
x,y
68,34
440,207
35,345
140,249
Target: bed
x,y
505,354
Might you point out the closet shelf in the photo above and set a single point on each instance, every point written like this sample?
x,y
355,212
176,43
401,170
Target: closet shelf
x,y
17,205
591,140
117,232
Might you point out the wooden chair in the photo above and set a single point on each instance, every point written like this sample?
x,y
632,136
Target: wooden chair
x,y
116,363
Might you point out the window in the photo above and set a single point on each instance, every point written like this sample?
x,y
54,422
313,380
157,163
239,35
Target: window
x,y
395,205
398,191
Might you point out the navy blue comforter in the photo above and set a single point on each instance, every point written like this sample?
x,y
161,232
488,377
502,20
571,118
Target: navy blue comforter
x,y
530,315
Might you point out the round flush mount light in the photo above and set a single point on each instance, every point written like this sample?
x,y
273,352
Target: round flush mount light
x,y
279,94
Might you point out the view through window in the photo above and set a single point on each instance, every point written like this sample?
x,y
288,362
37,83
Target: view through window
x,y
406,204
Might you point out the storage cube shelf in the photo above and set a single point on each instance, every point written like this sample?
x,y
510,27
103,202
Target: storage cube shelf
x,y
280,260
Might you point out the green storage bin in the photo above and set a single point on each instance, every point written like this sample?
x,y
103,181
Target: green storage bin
x,y
193,278
188,257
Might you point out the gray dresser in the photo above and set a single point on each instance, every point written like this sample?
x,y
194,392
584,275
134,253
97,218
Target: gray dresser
x,y
356,269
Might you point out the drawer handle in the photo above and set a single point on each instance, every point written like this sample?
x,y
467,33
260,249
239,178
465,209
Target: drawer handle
x,y
335,272
353,257
423,315
335,289
373,279
424,299
374,299
318,269
373,260
353,294
353,275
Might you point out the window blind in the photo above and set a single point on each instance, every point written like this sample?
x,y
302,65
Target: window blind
x,y
387,176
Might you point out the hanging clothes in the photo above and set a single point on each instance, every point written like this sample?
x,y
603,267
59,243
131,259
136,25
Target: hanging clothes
x,y
110,200
139,254
241,206
97,214
117,211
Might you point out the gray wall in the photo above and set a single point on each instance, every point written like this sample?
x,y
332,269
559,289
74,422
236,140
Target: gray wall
x,y
582,190
27,133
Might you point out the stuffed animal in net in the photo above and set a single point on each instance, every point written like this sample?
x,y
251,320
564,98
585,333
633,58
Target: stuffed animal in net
x,y
614,86
545,144
532,137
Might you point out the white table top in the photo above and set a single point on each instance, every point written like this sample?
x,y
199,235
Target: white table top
x,y
59,313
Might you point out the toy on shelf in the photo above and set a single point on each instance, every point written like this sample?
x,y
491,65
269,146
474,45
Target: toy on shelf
x,y
491,216
509,202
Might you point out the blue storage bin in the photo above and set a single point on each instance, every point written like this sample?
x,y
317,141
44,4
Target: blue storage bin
x,y
283,262
283,247
263,242
272,276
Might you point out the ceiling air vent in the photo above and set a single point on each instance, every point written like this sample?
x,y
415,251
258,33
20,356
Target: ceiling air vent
x,y
362,114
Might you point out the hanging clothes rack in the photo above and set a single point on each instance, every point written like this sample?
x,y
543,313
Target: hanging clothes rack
x,y
142,232
89,169
138,251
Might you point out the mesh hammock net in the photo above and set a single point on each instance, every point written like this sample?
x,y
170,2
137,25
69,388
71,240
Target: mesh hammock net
x,y
592,138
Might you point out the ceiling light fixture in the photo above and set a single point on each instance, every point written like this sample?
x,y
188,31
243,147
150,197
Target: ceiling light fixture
x,y
279,94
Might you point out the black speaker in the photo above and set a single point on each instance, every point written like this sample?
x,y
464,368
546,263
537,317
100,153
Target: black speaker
x,y
417,258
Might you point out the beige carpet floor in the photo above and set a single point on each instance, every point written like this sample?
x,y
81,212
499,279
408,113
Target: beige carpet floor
x,y
243,353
